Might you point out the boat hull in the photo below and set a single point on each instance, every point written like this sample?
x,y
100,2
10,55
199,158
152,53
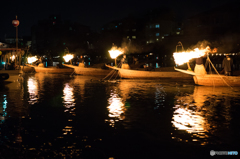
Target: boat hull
x,y
135,74
89,71
53,70
217,80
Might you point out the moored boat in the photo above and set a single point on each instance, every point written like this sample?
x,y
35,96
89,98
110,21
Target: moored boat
x,y
80,70
51,69
137,74
213,79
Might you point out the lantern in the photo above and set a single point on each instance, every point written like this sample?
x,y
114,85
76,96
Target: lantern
x,y
15,22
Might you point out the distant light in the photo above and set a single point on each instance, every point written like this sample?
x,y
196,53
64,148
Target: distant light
x,y
150,53
3,63
116,26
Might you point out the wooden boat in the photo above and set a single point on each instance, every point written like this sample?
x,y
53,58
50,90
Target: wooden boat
x,y
213,79
51,69
89,71
135,74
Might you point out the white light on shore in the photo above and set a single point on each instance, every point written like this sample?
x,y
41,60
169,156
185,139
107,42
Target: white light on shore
x,y
68,57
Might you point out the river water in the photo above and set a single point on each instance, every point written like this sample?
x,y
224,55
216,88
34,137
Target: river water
x,y
58,116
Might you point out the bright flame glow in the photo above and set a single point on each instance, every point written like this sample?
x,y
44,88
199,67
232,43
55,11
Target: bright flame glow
x,y
115,52
32,59
68,57
12,57
184,57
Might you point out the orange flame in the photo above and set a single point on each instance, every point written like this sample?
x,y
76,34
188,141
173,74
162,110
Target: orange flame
x,y
184,57
68,57
115,52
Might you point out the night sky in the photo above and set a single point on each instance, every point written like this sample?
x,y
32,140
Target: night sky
x,y
93,13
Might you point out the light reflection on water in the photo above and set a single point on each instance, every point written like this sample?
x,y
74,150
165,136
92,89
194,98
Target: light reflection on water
x,y
116,109
198,114
69,103
77,112
33,90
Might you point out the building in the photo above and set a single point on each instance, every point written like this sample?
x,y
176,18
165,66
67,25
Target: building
x,y
53,35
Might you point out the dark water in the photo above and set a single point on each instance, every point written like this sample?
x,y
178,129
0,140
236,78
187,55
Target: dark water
x,y
57,116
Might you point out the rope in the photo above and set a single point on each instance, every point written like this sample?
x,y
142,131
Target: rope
x,y
112,72
219,74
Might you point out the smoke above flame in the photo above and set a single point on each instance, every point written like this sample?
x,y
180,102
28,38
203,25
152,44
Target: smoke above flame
x,y
115,52
184,57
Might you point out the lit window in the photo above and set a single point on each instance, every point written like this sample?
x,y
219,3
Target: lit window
x,y
162,37
147,42
157,26
177,33
157,39
134,37
127,37
157,34
134,29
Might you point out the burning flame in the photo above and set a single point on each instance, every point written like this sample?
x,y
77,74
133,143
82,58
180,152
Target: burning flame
x,y
115,52
12,57
184,57
32,59
68,57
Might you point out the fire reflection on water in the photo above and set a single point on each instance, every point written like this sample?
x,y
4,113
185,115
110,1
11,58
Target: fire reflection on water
x,y
198,114
33,90
69,104
116,109
189,120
